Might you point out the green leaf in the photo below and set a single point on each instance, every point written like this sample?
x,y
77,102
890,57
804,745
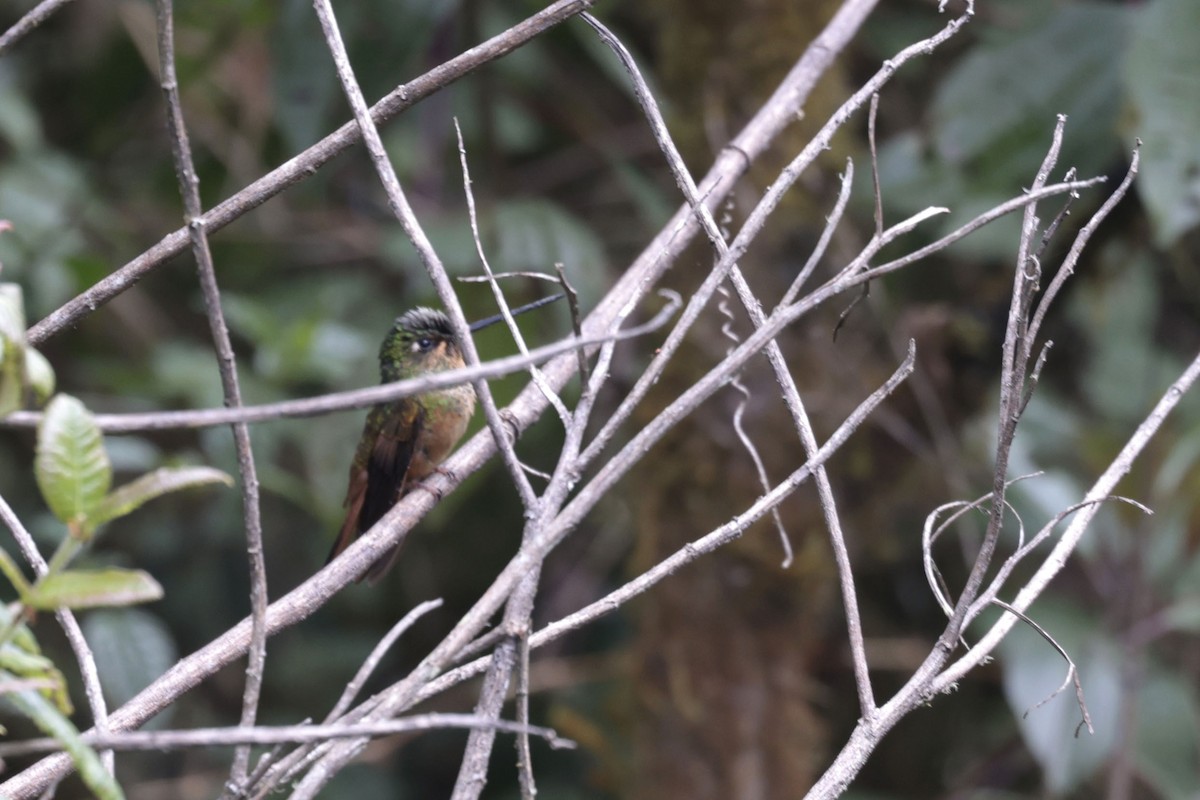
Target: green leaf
x,y
151,485
39,376
1160,75
17,578
12,347
1168,723
92,588
53,723
132,648
71,466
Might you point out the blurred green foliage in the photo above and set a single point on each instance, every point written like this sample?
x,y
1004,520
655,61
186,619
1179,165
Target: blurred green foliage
x,y
564,171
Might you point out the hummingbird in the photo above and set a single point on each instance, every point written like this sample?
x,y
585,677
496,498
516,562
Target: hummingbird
x,y
404,440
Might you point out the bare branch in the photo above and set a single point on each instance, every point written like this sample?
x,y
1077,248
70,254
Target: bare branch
x,y
266,735
189,187
377,653
357,398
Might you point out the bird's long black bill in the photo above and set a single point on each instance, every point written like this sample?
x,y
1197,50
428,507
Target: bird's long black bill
x,y
492,320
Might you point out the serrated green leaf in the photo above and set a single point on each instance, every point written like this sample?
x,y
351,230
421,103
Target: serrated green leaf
x,y
1160,75
154,484
53,723
72,468
93,588
39,376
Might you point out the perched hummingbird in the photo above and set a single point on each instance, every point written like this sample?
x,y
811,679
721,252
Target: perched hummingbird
x,y
404,440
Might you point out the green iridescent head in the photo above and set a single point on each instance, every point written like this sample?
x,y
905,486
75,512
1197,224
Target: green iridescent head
x,y
420,341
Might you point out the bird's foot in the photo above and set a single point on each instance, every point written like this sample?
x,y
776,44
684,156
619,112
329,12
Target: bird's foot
x,y
438,494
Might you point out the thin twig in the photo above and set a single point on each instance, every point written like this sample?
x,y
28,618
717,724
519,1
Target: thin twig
x,y
1072,671
376,655
831,223
472,774
989,216
538,378
189,187
576,319
34,17
866,287
524,755
1081,239
266,735
356,398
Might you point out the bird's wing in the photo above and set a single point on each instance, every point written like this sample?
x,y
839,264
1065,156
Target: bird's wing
x,y
377,474
388,465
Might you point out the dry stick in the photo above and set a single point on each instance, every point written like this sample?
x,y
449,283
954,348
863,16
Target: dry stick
x,y
576,319
866,288
1081,239
731,163
66,618
34,17
991,215
372,661
538,378
403,212
304,165
1072,671
783,374
831,223
189,187
524,754
930,678
472,774
265,735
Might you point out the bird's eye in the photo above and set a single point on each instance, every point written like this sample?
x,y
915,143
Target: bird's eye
x,y
424,344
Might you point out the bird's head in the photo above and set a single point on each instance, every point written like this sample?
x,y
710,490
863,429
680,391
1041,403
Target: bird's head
x,y
420,341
